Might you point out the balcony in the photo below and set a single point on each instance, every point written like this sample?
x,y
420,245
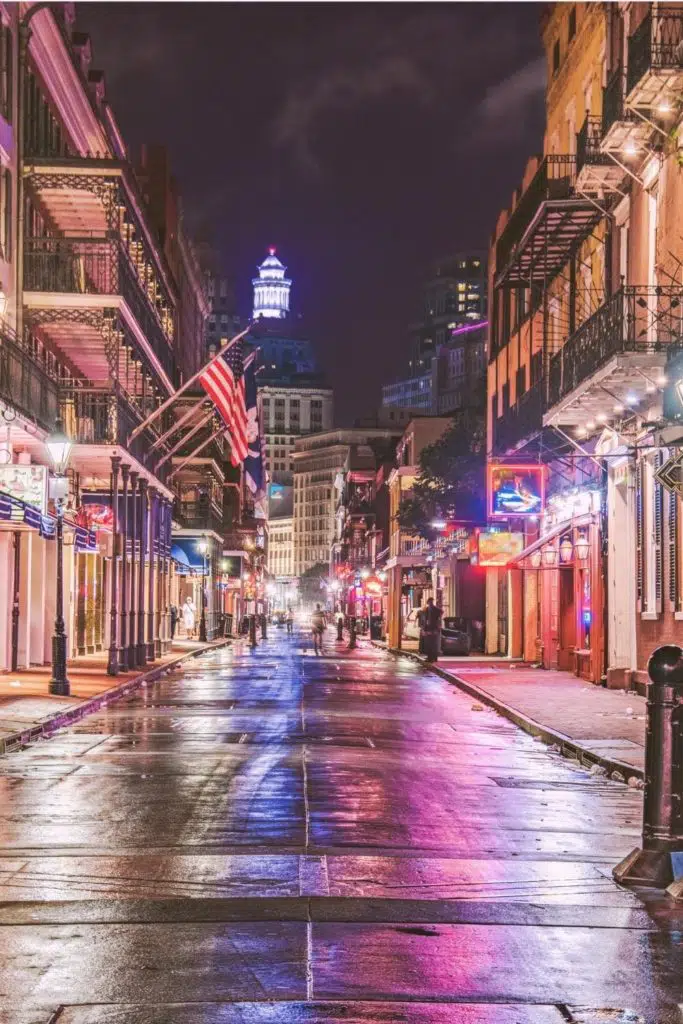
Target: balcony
x,y
596,171
624,133
615,357
200,515
25,386
94,416
548,223
98,276
519,423
655,60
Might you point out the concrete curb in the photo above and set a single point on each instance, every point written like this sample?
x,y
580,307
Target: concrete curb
x,y
568,746
48,726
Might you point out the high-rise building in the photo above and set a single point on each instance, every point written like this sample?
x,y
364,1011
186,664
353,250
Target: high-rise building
x,y
271,289
453,295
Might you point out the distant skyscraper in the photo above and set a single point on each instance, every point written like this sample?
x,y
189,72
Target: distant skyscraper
x,y
271,289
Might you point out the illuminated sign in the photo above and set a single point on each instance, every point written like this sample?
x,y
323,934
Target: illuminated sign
x,y
373,586
517,490
27,483
499,547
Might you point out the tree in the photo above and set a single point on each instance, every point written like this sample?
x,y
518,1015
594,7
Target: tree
x,y
451,483
310,589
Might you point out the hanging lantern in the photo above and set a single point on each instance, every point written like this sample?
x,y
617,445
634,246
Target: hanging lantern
x,y
535,558
549,555
566,550
582,547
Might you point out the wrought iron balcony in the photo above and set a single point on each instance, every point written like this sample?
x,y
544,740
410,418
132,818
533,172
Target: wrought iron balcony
x,y
596,171
520,422
200,515
626,339
655,58
96,416
97,266
623,132
25,385
544,228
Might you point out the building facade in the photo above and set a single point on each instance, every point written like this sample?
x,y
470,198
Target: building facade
x,y
586,290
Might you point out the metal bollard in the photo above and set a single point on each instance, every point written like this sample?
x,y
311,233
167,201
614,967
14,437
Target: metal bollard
x,y
252,631
352,633
264,635
659,861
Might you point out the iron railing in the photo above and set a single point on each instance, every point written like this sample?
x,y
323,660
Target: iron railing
x,y
588,140
97,416
95,266
520,421
634,319
613,100
25,385
200,515
554,180
657,44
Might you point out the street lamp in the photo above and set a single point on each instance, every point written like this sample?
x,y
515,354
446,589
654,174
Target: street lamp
x,y
203,549
58,448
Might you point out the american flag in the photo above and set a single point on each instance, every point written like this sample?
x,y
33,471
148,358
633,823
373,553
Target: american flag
x,y
223,381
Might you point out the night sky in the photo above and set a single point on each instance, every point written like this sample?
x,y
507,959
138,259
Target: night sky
x,y
363,140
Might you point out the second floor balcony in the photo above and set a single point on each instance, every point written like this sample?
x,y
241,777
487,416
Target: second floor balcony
x,y
545,226
25,386
596,171
623,132
655,60
616,357
199,515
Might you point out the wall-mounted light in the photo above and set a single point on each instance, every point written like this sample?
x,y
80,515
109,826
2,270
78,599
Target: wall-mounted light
x,y
549,555
582,547
566,550
535,558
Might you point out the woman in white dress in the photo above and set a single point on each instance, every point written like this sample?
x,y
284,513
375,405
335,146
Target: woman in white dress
x,y
189,616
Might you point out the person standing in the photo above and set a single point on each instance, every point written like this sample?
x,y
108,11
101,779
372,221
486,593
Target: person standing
x,y
340,625
290,622
430,630
189,617
317,629
174,619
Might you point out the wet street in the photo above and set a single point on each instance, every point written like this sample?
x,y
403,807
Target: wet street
x,y
267,837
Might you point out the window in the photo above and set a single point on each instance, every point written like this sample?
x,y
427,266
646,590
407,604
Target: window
x,y
556,57
6,213
6,73
572,24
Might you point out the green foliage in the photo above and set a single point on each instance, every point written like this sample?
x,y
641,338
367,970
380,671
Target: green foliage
x,y
451,484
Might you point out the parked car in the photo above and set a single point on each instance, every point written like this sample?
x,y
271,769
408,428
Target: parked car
x,y
454,641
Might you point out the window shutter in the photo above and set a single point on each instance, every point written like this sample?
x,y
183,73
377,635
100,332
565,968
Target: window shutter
x,y
657,522
640,567
673,550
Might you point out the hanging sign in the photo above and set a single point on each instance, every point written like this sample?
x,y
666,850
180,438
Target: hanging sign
x,y
26,483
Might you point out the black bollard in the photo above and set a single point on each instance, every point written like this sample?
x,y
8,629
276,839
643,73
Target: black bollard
x,y
352,633
655,863
264,635
252,631
340,629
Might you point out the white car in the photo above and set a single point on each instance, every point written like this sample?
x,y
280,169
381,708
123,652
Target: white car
x,y
411,626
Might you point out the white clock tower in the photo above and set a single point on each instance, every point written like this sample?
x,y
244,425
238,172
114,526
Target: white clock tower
x,y
271,289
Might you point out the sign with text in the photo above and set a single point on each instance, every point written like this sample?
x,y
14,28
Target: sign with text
x,y
27,483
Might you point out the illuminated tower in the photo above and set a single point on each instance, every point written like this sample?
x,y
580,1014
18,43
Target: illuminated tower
x,y
271,289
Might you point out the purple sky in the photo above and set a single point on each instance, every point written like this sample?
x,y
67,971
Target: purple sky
x,y
363,140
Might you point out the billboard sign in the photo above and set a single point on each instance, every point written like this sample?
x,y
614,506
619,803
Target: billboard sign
x,y
515,490
499,548
26,483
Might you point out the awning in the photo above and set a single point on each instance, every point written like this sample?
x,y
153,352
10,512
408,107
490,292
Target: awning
x,y
14,510
568,524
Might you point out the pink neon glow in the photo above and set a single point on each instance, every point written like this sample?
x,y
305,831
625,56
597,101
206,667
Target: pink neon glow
x,y
271,251
469,327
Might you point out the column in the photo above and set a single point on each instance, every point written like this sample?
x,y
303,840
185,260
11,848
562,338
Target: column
x,y
143,526
16,584
158,636
123,633
37,594
113,662
6,557
134,567
166,538
24,630
153,533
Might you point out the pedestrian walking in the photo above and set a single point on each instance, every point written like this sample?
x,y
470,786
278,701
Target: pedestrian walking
x,y
430,630
340,625
189,617
290,622
317,629
174,619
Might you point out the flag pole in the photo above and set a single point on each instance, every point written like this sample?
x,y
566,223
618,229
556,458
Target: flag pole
x,y
196,451
179,423
188,383
186,437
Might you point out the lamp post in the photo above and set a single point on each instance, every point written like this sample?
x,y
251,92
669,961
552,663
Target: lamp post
x,y
203,548
58,447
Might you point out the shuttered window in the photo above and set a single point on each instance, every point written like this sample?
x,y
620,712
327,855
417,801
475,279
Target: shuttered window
x,y
640,537
657,534
674,540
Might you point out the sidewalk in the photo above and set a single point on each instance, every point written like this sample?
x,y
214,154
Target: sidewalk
x,y
597,725
28,710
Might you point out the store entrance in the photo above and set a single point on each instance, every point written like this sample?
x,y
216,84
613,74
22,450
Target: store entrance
x,y
567,636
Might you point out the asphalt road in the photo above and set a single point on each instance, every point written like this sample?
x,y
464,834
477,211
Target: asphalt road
x,y
267,837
